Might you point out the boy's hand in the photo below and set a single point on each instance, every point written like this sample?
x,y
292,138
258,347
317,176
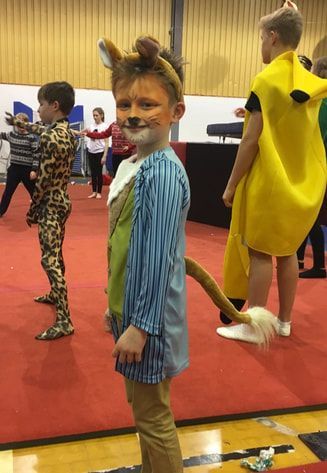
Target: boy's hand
x,y
228,195
10,119
239,112
33,175
130,345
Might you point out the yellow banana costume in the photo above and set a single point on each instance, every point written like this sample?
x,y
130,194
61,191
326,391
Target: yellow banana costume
x,y
278,200
147,55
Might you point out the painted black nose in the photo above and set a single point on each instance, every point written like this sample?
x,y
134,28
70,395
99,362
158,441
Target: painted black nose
x,y
133,121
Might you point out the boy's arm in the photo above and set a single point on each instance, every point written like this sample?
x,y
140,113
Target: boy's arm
x,y
34,128
164,203
36,158
36,154
246,154
44,176
4,136
100,135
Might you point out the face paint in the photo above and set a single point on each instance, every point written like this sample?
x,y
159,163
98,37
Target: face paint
x,y
144,112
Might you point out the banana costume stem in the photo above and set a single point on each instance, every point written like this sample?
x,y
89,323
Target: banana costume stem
x,y
263,322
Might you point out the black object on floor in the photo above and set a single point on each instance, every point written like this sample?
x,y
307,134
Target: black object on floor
x,y
238,304
209,459
317,442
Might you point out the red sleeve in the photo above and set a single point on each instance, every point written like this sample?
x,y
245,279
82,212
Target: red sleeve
x,y
100,135
131,148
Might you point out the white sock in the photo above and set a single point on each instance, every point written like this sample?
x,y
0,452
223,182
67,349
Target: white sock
x,y
284,324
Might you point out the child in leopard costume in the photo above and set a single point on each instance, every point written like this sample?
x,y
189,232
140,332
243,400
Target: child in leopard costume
x,y
51,206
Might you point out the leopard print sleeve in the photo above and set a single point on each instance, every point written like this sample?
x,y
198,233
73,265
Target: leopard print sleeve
x,y
48,150
34,128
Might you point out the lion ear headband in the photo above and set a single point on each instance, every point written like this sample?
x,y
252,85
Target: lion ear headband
x,y
147,56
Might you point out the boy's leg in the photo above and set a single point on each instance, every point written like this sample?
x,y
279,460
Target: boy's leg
x,y
51,232
155,424
318,249
28,184
287,277
260,277
60,254
13,179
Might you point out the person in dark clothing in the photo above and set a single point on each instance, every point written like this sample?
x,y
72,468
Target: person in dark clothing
x,y
316,234
24,162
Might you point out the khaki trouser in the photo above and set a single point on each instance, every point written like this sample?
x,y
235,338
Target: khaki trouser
x,y
155,425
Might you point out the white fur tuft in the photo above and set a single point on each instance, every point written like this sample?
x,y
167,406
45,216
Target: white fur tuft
x,y
264,323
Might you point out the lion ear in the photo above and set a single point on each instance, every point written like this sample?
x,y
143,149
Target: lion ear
x,y
148,49
109,53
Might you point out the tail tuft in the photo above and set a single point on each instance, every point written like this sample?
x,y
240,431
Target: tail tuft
x,y
264,323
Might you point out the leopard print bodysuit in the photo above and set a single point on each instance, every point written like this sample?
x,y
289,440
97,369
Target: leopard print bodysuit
x,y
50,209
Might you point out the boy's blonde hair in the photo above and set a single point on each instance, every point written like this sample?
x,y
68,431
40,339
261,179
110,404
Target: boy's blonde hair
x,y
287,23
320,67
22,117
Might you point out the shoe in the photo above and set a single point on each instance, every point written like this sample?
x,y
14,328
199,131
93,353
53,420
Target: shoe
x,y
312,273
46,299
242,332
92,196
98,196
56,331
284,328
238,304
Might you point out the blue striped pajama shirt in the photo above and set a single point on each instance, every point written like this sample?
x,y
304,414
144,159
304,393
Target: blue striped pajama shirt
x,y
155,293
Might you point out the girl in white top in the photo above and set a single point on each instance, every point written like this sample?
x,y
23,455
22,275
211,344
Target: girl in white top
x,y
97,152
